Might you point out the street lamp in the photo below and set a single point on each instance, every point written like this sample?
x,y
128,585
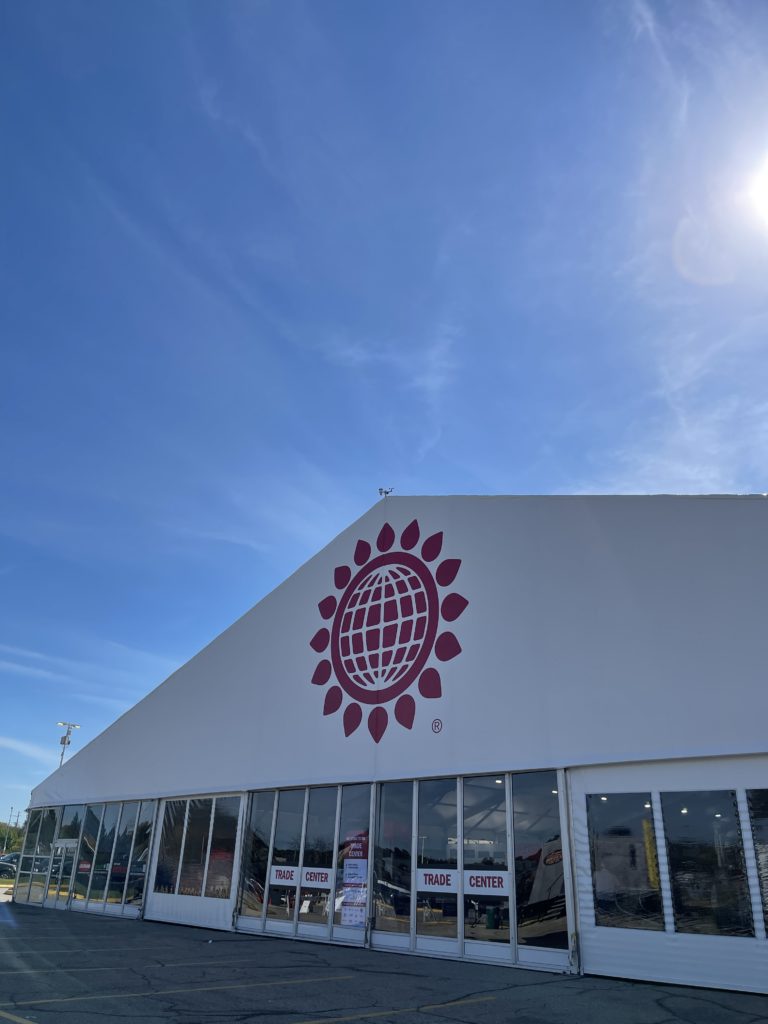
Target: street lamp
x,y
65,740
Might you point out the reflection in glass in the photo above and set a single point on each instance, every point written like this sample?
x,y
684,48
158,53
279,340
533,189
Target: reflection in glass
x,y
436,847
47,832
392,858
137,870
290,818
106,841
218,881
87,850
281,903
256,853
195,847
33,828
71,820
69,829
540,892
290,815
124,838
170,846
21,890
710,894
486,915
314,904
625,869
758,813
351,900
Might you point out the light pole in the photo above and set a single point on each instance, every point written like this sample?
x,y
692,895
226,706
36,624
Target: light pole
x,y
65,740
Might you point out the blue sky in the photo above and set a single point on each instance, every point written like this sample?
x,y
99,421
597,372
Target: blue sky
x,y
259,259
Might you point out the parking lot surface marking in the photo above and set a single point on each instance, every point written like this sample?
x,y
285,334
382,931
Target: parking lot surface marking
x,y
189,990
404,1009
119,967
14,1018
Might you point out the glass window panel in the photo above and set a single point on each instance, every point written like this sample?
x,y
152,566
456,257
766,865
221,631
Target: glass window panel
x,y
539,887
710,894
47,832
315,903
87,850
218,881
256,853
106,841
758,813
281,903
71,820
137,870
21,891
37,887
65,878
392,858
195,847
437,824
437,847
315,906
351,900
625,868
33,827
486,915
122,852
57,861
169,853
321,823
290,817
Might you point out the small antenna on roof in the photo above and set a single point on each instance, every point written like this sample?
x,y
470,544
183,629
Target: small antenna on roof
x,y
384,492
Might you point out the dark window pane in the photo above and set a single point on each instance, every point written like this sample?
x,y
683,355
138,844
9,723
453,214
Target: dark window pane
x,y
321,822
314,906
486,913
123,841
195,847
437,847
350,908
87,849
290,816
540,892
137,870
758,813
170,846
281,903
392,858
33,828
218,881
71,820
47,832
625,869
103,857
256,853
710,894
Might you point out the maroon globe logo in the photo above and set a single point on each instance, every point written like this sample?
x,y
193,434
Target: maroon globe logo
x,y
385,626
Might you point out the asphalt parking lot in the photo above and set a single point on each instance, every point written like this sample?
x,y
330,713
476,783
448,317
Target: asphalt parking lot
x,y
82,969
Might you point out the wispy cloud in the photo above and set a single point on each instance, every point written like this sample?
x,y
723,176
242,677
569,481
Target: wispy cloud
x,y
427,368
30,750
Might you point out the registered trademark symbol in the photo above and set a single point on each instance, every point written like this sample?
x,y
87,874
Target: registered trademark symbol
x,y
437,725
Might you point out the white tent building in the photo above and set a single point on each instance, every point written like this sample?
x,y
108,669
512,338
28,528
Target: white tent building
x,y
523,730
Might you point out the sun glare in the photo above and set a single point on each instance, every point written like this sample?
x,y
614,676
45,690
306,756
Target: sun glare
x,y
758,193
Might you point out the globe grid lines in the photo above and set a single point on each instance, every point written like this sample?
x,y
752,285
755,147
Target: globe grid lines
x,y
384,629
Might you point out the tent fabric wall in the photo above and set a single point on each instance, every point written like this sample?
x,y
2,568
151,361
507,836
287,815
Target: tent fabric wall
x,y
597,630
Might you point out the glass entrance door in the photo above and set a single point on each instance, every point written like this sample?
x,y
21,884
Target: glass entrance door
x,y
194,862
